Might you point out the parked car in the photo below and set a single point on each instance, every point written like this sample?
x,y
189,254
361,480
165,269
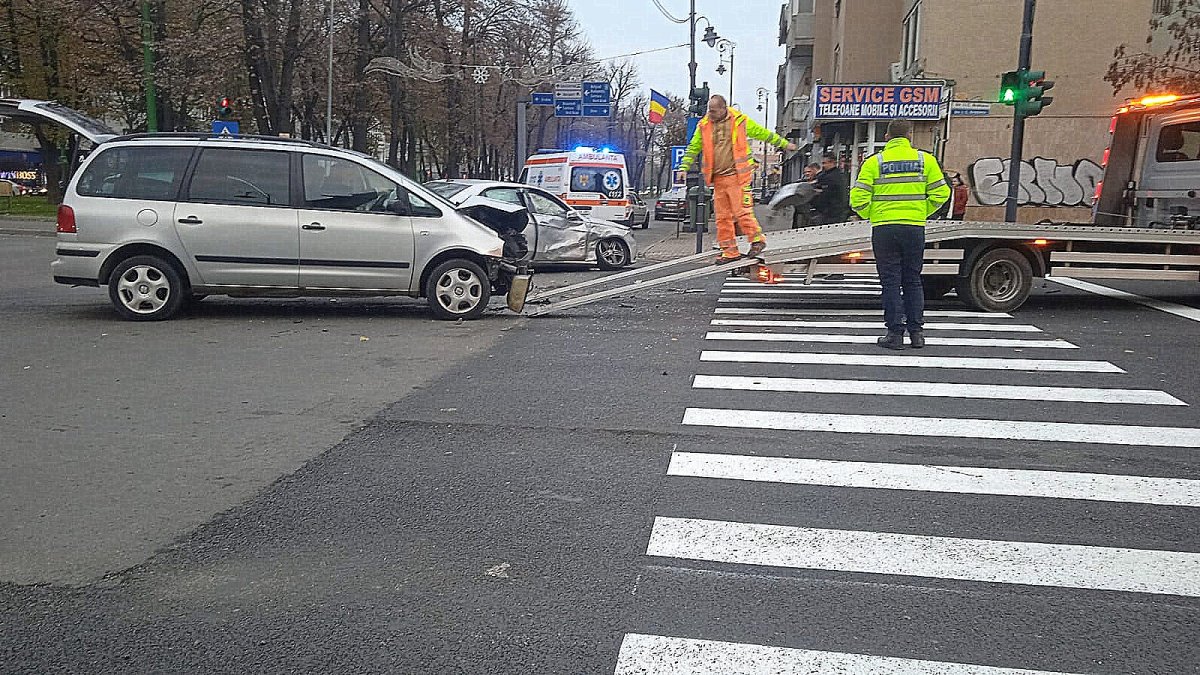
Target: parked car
x,y
11,188
164,219
671,205
641,212
561,234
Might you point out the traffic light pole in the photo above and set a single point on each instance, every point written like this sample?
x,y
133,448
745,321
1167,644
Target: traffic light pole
x,y
1018,139
148,69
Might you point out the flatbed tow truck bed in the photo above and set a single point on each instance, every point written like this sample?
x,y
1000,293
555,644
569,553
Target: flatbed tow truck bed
x,y
991,264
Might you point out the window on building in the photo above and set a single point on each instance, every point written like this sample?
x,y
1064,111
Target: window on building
x,y
1179,143
912,36
1163,7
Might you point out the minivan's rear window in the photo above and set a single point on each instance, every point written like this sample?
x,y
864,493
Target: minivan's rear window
x,y
135,172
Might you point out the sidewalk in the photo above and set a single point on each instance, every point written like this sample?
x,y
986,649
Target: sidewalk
x,y
30,227
670,248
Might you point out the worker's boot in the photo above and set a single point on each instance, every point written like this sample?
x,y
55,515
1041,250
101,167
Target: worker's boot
x,y
756,249
722,259
916,339
893,340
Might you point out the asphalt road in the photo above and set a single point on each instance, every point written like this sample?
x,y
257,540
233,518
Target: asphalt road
x,y
539,501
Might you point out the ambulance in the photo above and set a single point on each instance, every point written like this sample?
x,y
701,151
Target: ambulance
x,y
589,180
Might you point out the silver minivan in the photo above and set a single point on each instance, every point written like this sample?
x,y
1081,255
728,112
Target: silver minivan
x,y
165,219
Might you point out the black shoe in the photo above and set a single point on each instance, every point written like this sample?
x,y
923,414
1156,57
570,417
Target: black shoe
x,y
916,339
756,249
892,341
721,260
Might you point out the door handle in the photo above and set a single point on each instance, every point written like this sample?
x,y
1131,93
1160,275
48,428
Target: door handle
x,y
190,220
312,226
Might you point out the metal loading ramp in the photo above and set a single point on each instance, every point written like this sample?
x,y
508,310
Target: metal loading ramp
x,y
813,243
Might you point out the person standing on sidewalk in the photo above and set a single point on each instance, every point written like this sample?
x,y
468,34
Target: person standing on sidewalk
x,y
897,190
723,135
831,202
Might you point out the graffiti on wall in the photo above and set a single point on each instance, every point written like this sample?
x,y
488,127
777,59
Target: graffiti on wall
x,y
1044,182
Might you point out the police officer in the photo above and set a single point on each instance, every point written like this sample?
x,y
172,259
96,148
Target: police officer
x,y
897,190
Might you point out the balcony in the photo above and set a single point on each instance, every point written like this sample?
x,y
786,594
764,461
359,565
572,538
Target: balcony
x,y
801,31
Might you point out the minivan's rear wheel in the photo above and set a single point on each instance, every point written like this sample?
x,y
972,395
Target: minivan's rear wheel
x,y
146,288
612,254
458,289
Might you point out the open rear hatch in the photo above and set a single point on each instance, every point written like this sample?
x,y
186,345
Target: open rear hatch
x,y
33,111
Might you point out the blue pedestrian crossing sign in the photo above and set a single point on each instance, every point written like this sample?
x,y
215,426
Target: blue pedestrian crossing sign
x,y
224,128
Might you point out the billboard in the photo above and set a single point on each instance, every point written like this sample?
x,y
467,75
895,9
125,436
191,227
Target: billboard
x,y
878,101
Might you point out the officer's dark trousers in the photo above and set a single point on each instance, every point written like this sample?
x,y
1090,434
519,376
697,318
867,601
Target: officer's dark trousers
x,y
899,254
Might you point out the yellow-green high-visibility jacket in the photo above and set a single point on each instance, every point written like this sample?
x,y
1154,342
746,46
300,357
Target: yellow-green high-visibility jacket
x,y
900,185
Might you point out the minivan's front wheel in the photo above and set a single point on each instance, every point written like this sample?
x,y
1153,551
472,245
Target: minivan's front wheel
x,y
612,254
458,289
146,288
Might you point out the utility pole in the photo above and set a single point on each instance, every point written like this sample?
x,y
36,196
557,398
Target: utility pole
x,y
329,84
1018,138
148,69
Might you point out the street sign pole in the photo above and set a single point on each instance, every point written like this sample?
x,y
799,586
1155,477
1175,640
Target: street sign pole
x,y
522,137
1018,136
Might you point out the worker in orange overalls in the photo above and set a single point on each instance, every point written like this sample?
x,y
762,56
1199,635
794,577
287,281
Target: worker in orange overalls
x,y
723,135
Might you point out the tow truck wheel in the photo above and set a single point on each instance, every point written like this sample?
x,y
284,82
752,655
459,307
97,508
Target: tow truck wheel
x,y
999,281
458,289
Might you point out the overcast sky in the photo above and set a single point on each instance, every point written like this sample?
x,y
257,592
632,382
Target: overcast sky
x,y
622,26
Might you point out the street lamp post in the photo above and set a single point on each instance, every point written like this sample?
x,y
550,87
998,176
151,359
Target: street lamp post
x,y
724,45
764,103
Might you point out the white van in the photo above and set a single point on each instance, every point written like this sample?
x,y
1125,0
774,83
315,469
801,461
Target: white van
x,y
593,181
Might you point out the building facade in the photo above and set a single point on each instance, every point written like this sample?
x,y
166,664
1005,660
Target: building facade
x,y
962,49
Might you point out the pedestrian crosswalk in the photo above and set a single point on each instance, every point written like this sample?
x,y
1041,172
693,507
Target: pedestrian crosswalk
x,y
805,366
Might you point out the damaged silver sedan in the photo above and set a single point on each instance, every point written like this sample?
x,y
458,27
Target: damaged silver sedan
x,y
557,233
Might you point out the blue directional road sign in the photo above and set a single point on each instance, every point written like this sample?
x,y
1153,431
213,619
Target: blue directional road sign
x,y
596,110
543,98
596,93
223,128
677,152
570,107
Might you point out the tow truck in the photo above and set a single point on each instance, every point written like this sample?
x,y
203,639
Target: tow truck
x,y
1142,227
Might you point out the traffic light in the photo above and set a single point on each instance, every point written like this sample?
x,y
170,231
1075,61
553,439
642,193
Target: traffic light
x,y
1010,86
1025,89
699,99
1034,85
224,107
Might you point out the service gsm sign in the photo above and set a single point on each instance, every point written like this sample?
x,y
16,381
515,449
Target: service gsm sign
x,y
878,101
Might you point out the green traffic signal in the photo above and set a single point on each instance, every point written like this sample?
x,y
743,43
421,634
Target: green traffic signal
x,y
1026,89
1010,86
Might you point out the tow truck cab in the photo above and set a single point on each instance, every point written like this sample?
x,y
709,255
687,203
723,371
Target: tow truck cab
x,y
1152,165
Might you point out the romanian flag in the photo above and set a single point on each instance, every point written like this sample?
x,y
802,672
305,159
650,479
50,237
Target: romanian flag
x,y
658,106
